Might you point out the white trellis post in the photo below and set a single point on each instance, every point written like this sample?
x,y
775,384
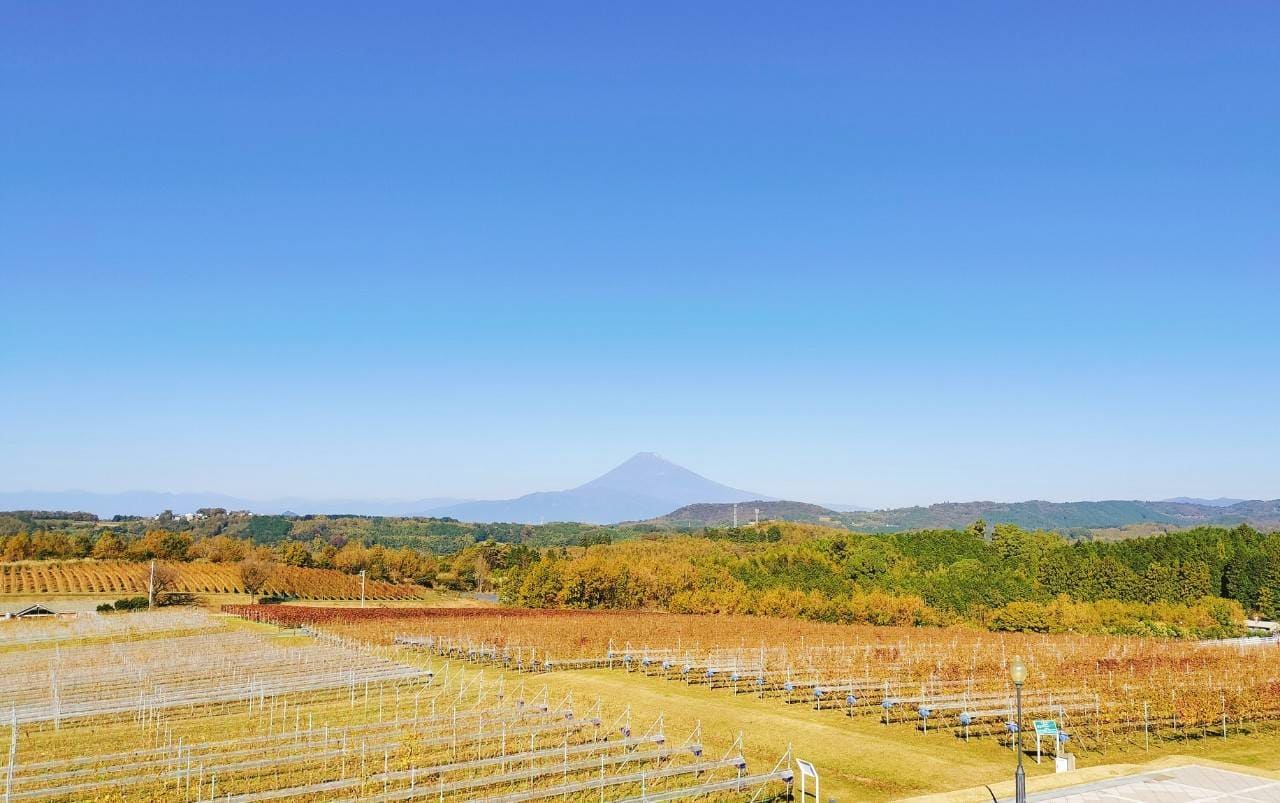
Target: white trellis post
x,y
13,752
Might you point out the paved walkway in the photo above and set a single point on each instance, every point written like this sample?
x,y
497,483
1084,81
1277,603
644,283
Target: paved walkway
x,y
1189,784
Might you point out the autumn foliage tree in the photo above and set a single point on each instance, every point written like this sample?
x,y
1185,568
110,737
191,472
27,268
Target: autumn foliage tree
x,y
162,581
255,574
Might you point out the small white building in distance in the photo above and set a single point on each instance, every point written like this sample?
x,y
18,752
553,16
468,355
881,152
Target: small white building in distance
x,y
37,611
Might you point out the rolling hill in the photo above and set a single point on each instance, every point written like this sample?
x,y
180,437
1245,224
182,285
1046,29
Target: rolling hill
x,y
1221,501
721,514
1064,516
1060,516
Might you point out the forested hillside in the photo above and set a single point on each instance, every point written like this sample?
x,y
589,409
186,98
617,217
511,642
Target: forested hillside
x,y
1184,583
1076,518
721,514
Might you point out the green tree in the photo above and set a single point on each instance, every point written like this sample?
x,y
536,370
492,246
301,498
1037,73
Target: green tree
x,y
1194,581
293,553
1024,549
1111,579
1066,571
1025,617
1245,574
1266,607
869,560
969,585
536,587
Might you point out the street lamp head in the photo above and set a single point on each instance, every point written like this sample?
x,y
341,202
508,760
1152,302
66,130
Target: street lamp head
x,y
1017,670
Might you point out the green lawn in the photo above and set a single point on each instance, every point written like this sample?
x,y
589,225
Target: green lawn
x,y
859,758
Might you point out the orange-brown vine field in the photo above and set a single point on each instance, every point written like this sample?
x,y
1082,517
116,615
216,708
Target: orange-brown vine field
x,y
1107,693
120,577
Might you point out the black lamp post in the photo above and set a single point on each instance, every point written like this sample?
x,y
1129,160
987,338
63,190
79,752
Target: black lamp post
x,y
1018,674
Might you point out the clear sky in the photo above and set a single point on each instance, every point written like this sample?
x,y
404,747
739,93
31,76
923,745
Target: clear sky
x,y
877,253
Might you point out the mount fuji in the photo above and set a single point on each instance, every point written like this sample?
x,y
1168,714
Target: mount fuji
x,y
643,487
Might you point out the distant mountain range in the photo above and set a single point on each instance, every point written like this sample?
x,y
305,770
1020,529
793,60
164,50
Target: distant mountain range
x,y
1065,515
1221,501
1061,516
642,487
149,503
650,490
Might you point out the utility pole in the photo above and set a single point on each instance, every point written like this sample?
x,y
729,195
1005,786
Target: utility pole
x,y
362,588
151,586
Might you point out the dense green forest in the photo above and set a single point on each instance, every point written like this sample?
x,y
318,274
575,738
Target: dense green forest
x,y
1188,582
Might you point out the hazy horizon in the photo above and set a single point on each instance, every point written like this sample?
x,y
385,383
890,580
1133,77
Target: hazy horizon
x,y
443,500
860,254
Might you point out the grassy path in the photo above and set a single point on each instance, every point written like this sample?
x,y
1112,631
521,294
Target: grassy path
x,y
859,759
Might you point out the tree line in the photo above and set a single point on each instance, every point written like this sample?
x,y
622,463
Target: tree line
x,y
476,566
1198,582
396,565
1192,582
439,536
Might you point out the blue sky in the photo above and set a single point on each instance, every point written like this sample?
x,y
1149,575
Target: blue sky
x,y
879,253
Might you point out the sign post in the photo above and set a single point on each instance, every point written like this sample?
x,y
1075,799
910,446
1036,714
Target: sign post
x,y
1046,727
807,771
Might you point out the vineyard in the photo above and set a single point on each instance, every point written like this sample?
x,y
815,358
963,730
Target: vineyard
x,y
1107,693
297,617
213,711
346,704
135,677
121,627
124,578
